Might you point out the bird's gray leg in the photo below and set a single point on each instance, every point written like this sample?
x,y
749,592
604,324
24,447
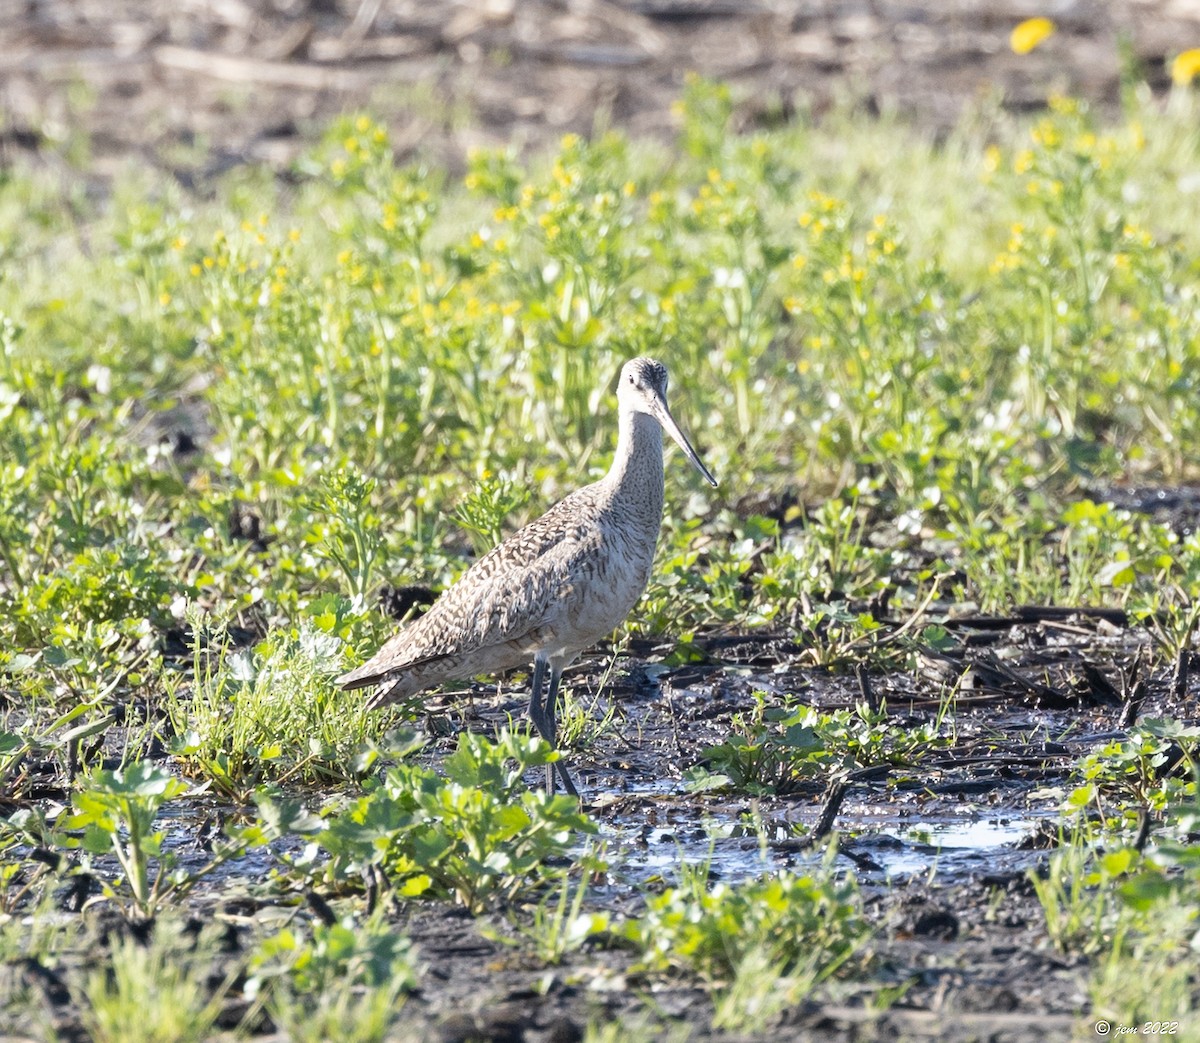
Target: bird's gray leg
x,y
536,714
544,721
550,715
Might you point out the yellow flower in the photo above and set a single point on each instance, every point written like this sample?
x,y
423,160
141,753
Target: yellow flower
x,y
1031,32
1045,134
1085,143
164,299
362,124
1186,67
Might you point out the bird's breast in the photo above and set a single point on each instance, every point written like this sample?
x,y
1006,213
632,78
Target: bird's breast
x,y
604,587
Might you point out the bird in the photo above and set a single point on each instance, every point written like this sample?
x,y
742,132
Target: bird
x,y
556,586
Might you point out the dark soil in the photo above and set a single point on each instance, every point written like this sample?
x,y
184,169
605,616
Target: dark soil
x,y
944,856
943,850
201,86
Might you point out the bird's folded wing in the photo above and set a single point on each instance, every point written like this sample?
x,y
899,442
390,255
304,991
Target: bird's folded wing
x,y
509,595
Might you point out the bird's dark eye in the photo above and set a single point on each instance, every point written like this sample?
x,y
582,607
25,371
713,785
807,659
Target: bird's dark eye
x,y
631,379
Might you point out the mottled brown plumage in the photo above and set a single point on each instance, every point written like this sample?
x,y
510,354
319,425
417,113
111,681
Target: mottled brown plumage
x,y
556,586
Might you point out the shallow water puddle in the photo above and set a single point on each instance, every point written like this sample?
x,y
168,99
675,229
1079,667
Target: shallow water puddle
x,y
656,833
952,848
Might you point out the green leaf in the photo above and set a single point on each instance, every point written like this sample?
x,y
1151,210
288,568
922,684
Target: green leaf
x,y
1117,862
415,886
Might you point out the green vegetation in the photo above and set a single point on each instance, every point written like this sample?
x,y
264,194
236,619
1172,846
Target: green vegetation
x,y
1151,770
477,835
1135,912
154,992
347,982
780,747
260,406
764,944
228,422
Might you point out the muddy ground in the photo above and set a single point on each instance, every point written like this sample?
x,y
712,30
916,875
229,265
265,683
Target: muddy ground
x,y
199,86
942,849
943,853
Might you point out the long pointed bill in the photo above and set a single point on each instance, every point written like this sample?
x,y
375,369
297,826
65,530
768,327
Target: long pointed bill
x,y
668,422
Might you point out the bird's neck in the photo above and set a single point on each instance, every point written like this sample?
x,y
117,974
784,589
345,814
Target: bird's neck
x,y
637,466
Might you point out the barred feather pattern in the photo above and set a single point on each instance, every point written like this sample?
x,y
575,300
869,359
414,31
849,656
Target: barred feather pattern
x,y
553,588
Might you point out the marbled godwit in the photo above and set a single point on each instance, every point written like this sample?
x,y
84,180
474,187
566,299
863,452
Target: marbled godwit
x,y
555,587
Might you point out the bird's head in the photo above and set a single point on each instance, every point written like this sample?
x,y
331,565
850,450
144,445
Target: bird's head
x,y
643,389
